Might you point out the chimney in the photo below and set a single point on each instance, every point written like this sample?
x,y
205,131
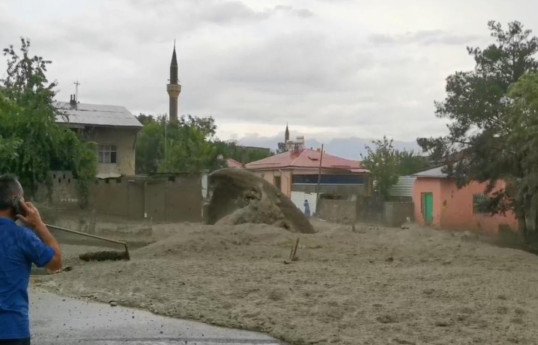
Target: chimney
x,y
73,102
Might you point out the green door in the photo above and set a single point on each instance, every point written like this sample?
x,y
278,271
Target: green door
x,y
427,207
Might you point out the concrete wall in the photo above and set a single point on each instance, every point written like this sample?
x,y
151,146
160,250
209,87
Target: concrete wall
x,y
339,211
390,213
117,197
125,141
63,190
453,207
370,209
396,213
176,198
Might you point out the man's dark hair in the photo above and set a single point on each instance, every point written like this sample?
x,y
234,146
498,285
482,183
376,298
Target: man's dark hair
x,y
9,186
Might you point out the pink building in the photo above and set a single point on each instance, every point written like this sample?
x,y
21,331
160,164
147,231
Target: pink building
x,y
439,203
303,166
296,174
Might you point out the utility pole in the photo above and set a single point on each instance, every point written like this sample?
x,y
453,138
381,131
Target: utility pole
x,y
76,89
319,180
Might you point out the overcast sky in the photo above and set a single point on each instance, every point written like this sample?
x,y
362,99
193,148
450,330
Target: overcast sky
x,y
330,68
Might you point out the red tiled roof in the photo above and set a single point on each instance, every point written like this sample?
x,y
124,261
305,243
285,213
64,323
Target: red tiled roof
x,y
305,158
232,163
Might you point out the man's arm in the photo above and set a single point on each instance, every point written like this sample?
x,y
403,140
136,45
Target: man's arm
x,y
32,218
45,235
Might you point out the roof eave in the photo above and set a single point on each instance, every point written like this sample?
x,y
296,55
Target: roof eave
x,y
79,125
352,170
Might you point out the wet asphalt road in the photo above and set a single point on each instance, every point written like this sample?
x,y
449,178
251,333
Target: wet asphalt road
x,y
63,321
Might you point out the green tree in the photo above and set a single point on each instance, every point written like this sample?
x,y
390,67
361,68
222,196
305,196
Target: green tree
x,y
187,146
242,154
187,150
143,118
8,145
150,148
382,162
183,147
519,156
479,110
35,143
205,125
410,163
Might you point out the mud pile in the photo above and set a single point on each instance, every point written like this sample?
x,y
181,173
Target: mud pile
x,y
372,285
240,197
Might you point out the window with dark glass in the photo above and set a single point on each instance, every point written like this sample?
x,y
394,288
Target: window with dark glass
x,y
107,154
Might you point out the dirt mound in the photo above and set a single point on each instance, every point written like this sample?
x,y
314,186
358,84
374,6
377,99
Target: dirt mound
x,y
241,197
199,240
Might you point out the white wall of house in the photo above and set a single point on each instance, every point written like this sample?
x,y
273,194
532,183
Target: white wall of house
x,y
298,199
124,140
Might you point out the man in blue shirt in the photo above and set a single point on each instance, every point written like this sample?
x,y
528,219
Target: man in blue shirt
x,y
19,248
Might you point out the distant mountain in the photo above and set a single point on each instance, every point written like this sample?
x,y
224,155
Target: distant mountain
x,y
350,148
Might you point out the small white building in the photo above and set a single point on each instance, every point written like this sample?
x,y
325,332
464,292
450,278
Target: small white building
x,y
113,128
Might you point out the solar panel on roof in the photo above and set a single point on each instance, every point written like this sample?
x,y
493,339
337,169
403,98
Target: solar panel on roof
x,y
97,115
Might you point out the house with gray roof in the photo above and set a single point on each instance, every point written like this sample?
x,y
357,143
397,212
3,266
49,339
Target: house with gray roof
x,y
113,128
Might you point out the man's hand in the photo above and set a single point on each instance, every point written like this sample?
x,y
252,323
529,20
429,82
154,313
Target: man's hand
x,y
30,215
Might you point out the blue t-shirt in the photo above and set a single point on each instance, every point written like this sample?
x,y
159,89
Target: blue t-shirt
x,y
19,248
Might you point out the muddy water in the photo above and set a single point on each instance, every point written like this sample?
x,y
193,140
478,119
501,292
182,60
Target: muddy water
x,y
58,320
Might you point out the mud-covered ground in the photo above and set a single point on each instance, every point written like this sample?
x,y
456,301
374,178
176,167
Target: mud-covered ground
x,y
374,285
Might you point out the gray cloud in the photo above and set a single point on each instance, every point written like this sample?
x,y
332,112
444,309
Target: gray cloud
x,y
302,61
300,12
424,37
329,68
224,12
229,11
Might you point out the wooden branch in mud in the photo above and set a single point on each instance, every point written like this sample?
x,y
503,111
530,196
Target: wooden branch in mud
x,y
293,253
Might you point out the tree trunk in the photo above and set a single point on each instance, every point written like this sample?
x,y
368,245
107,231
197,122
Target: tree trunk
x,y
531,213
520,210
528,221
522,226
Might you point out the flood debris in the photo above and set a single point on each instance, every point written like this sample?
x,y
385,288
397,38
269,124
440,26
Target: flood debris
x,y
293,253
239,196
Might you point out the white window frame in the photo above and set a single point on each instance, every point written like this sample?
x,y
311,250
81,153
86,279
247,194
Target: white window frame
x,y
107,154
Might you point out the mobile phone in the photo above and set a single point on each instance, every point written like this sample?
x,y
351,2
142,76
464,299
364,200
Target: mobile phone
x,y
16,205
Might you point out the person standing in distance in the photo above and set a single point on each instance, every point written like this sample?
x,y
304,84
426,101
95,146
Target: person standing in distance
x,y
19,248
306,209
